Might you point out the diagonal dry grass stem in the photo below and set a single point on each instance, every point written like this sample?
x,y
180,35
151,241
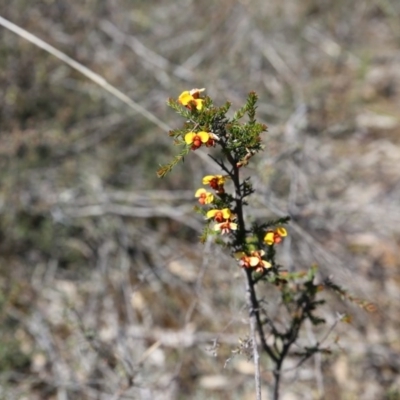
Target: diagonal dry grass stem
x,y
99,80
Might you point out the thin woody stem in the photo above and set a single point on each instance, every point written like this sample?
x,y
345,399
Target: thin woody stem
x,y
251,297
253,303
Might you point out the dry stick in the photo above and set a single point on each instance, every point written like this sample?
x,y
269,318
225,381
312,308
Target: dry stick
x,y
99,80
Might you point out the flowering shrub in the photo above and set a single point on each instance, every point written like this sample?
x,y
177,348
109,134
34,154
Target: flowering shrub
x,y
254,245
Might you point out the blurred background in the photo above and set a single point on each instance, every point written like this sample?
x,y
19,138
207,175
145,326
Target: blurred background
x,y
105,291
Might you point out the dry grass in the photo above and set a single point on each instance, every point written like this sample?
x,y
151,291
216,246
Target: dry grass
x,y
105,291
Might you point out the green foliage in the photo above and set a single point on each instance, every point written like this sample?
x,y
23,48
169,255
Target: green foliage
x,y
237,140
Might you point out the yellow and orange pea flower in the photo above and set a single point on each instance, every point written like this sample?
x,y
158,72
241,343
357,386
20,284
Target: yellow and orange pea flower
x,y
275,237
191,99
197,139
216,182
224,219
220,215
254,260
225,227
204,196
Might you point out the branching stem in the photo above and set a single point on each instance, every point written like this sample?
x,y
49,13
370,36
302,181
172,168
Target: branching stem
x,y
256,244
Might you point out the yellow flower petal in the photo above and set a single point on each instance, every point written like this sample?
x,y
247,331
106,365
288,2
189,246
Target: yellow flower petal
x,y
207,179
199,192
254,261
199,104
209,198
204,136
204,196
281,231
217,227
211,213
266,264
185,98
189,137
269,238
233,226
226,213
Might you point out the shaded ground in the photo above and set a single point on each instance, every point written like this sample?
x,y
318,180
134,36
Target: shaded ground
x,y
105,291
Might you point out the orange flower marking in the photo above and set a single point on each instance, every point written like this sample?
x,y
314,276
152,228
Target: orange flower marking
x,y
220,215
275,237
254,260
191,99
216,182
197,139
204,196
210,142
225,227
